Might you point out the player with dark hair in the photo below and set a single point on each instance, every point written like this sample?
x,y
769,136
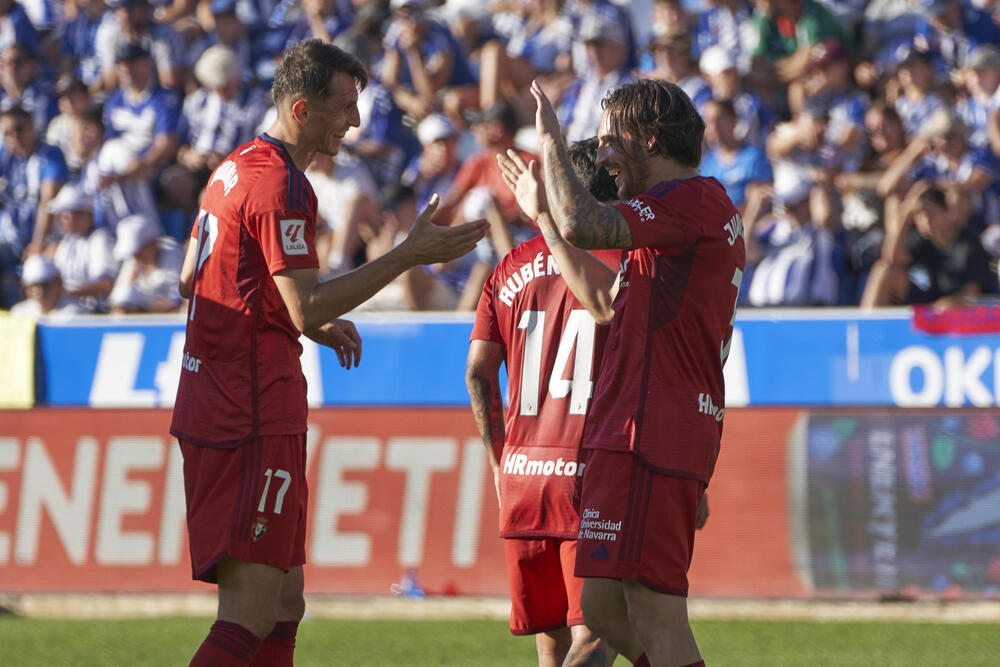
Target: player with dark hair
x,y
528,318
251,274
655,424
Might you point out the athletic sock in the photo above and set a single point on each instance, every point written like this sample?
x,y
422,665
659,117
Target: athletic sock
x,y
277,648
641,661
227,645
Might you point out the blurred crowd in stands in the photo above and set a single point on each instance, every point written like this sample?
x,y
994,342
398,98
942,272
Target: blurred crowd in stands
x,y
860,139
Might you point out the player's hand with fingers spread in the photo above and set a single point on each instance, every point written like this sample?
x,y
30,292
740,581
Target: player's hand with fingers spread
x,y
342,337
546,121
428,243
525,181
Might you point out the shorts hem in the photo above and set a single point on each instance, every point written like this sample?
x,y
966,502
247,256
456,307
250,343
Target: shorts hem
x,y
572,622
536,630
677,592
208,573
537,534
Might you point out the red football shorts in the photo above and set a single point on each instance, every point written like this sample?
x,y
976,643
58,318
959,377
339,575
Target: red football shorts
x,y
636,524
544,594
248,502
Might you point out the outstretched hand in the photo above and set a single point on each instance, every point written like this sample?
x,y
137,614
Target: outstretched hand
x,y
546,121
428,243
342,337
525,181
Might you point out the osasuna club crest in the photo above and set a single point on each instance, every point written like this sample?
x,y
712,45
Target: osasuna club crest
x,y
259,528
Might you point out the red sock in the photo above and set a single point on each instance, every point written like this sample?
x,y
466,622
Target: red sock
x,y
641,661
277,648
227,645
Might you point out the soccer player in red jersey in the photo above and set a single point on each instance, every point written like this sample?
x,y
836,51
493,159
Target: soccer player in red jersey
x,y
528,318
655,425
251,274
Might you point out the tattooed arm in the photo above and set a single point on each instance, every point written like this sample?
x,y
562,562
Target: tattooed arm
x,y
582,220
482,377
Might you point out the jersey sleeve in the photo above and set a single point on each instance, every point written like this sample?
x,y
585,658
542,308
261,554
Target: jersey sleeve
x,y
665,218
282,218
486,326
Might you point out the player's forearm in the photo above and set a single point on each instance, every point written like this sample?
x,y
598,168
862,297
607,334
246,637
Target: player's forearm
x,y
590,280
333,298
487,410
582,220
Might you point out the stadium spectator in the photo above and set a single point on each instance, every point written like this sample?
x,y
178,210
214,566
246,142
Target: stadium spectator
x,y
21,85
73,99
578,12
785,32
221,27
721,25
217,117
607,69
753,119
15,26
84,253
150,268
258,565
540,520
953,28
930,255
538,48
651,140
423,60
982,96
347,207
44,295
790,260
130,23
78,46
436,166
323,19
942,156
674,60
915,99
32,173
741,167
140,121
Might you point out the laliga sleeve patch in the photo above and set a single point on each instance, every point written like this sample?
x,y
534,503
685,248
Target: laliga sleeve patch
x,y
293,241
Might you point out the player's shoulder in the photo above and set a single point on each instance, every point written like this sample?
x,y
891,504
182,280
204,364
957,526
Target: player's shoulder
x,y
269,179
520,254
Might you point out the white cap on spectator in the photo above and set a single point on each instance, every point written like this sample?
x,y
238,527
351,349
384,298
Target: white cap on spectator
x,y
38,269
435,127
217,67
790,185
597,28
133,233
716,60
71,198
415,4
985,56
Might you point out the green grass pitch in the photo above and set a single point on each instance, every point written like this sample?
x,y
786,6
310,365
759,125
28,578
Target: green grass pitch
x,y
171,641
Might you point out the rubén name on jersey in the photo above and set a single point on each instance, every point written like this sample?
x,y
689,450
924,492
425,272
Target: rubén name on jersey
x,y
542,265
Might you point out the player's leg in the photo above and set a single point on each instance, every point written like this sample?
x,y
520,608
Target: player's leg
x,y
552,646
661,622
538,598
605,612
586,648
278,648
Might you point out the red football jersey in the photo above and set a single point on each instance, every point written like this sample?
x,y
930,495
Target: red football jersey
x,y
660,392
553,348
241,374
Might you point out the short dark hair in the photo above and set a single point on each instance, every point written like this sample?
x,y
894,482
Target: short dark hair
x,y
307,67
651,109
725,105
92,116
597,180
18,113
934,196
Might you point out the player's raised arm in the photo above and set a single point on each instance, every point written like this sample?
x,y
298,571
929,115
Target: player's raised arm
x,y
312,304
581,220
590,280
482,377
